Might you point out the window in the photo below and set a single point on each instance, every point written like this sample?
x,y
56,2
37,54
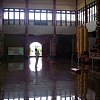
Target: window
x,y
57,16
31,14
68,17
63,16
49,16
11,14
5,13
16,13
37,14
22,14
38,17
43,15
73,17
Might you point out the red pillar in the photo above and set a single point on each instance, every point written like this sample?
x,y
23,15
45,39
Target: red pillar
x,y
26,48
85,13
53,40
54,16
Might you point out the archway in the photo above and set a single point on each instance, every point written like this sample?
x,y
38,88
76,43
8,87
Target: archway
x,y
32,48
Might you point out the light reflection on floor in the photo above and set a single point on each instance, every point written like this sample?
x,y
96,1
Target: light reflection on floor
x,y
32,62
23,79
49,98
15,66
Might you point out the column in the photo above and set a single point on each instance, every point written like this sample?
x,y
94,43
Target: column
x,y
1,33
98,24
26,29
53,39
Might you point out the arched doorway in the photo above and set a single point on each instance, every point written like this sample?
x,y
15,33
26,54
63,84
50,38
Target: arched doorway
x,y
32,48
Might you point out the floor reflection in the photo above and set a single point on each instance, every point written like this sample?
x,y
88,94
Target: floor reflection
x,y
23,81
32,63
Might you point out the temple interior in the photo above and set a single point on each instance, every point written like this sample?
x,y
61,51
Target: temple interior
x,y
66,65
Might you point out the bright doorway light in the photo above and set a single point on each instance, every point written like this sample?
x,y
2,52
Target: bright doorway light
x,y
33,46
32,62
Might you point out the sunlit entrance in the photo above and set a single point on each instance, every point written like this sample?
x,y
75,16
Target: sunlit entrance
x,y
32,48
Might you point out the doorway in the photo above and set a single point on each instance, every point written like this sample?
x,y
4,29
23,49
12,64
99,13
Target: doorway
x,y
32,48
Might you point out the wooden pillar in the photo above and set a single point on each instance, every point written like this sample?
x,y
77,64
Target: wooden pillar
x,y
82,84
1,33
53,39
86,41
81,39
26,29
85,12
54,17
98,24
78,40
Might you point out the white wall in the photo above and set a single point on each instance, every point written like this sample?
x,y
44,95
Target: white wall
x,y
41,4
38,30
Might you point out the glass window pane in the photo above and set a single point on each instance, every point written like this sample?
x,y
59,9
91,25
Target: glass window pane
x,y
90,11
5,9
21,98
31,98
63,16
11,15
63,11
68,11
37,16
37,10
43,16
21,10
73,17
82,16
16,9
58,11
21,15
16,15
88,15
78,17
16,99
43,10
11,9
49,97
49,16
57,16
5,15
58,98
31,15
37,98
50,11
43,98
68,17
31,10
95,9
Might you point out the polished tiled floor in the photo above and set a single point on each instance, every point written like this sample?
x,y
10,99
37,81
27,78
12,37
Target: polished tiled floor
x,y
49,80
